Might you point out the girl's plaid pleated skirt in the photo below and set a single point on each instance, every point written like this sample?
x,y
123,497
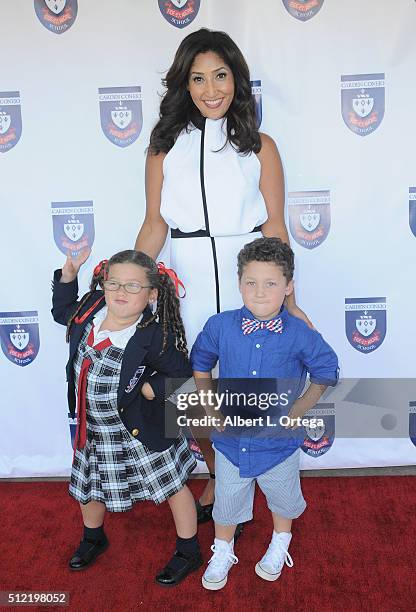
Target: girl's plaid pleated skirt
x,y
114,468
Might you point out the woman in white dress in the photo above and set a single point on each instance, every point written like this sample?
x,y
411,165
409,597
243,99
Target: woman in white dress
x,y
214,181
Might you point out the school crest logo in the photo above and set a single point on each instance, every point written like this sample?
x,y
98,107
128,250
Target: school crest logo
x,y
319,439
412,422
309,217
193,445
303,9
73,226
412,209
56,15
121,114
135,379
179,13
19,336
72,428
256,93
362,102
365,322
10,120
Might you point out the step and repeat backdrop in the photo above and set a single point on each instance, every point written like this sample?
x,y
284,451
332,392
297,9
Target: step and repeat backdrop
x,y
334,85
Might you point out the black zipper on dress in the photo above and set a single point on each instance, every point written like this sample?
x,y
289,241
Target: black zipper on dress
x,y
204,203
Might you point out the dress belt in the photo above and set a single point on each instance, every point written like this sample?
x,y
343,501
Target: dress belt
x,y
177,233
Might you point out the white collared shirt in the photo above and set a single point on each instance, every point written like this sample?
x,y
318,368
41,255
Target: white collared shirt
x,y
118,338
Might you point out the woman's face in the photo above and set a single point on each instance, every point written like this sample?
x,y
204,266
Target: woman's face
x,y
211,85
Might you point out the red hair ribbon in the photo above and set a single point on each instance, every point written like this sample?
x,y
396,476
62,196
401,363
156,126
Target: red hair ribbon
x,y
100,267
173,276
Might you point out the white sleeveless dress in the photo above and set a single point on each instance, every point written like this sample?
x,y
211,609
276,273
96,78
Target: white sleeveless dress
x,y
215,195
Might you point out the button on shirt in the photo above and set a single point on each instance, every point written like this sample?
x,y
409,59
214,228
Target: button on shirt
x,y
286,356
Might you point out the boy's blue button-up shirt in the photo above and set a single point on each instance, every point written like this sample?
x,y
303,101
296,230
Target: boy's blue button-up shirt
x,y
286,357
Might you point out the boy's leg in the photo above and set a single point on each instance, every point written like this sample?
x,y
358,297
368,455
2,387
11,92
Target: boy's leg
x,y
233,504
187,557
281,486
94,541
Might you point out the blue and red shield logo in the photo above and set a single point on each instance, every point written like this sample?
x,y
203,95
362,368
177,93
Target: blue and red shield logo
x,y
412,209
19,336
179,13
57,15
319,439
412,422
121,114
72,428
256,93
10,120
73,226
303,9
362,102
309,217
365,322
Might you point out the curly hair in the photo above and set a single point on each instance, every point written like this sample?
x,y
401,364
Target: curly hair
x,y
271,250
177,109
167,310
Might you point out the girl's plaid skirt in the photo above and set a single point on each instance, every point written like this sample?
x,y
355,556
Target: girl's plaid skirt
x,y
114,468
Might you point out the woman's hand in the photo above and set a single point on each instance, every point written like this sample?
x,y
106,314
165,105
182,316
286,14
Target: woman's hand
x,y
298,312
147,391
72,265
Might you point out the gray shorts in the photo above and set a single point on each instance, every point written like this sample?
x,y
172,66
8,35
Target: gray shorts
x,y
234,495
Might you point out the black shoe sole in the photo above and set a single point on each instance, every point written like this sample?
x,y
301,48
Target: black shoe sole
x,y
173,584
83,567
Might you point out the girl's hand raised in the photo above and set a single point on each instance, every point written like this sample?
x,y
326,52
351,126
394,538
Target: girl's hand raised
x,y
72,265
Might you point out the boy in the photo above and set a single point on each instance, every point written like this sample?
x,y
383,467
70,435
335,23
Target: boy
x,y
260,341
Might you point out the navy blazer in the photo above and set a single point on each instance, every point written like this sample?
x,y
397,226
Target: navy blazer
x,y
145,420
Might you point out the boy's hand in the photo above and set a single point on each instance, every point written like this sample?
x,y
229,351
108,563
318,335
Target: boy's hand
x,y
72,265
295,412
147,391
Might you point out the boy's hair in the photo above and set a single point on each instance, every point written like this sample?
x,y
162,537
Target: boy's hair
x,y
272,250
167,310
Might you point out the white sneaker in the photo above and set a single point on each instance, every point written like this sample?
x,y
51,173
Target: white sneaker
x,y
216,574
271,565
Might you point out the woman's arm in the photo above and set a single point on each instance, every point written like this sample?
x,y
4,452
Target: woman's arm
x,y
272,187
152,234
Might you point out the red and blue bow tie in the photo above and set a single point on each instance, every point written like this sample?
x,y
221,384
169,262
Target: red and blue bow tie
x,y
251,325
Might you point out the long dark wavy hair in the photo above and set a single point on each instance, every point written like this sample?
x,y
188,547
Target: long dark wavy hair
x,y
167,310
177,109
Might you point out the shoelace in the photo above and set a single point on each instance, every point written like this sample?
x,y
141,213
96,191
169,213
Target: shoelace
x,y
222,556
279,547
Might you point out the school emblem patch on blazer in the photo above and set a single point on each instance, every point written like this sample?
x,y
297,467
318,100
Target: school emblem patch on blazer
x,y
362,102
303,9
309,217
135,379
56,15
73,226
179,13
365,322
121,113
10,120
19,336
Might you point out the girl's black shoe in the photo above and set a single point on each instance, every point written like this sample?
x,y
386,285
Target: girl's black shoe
x,y
178,568
87,553
203,513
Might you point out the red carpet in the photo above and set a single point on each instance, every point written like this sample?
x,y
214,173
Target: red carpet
x,y
353,549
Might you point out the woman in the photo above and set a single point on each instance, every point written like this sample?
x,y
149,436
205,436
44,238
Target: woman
x,y
214,180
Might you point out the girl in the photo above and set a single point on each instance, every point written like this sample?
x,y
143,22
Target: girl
x,y
119,359
214,180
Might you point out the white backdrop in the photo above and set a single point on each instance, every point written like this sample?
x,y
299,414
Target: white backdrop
x,y
325,74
